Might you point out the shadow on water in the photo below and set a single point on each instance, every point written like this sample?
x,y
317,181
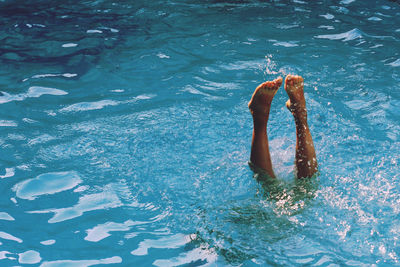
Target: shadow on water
x,y
290,198
240,230
78,34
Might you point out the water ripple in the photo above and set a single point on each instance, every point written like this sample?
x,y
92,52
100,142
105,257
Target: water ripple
x,y
5,216
81,263
346,36
86,106
286,44
10,172
39,76
48,183
7,236
48,242
102,231
395,63
99,201
8,123
29,257
34,91
171,242
203,255
125,133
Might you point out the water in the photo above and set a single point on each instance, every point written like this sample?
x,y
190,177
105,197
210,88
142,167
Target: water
x,y
125,133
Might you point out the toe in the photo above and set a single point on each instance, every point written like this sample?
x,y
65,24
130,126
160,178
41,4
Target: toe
x,y
278,82
298,79
293,80
288,79
260,87
288,104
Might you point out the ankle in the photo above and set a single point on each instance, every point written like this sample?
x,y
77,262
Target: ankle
x,y
260,121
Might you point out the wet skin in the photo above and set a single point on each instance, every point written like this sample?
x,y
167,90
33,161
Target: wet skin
x,y
260,104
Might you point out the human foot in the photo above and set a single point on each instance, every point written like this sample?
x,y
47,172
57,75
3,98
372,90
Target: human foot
x,y
260,102
294,87
259,106
306,162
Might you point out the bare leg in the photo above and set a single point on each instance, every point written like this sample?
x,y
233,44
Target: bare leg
x,y
306,161
259,106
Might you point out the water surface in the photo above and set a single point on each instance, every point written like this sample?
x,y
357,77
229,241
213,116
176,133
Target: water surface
x,y
125,133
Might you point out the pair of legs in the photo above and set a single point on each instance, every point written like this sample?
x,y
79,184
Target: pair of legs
x,y
259,105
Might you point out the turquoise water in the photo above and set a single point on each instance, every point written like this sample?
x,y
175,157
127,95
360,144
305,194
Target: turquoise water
x,y
125,133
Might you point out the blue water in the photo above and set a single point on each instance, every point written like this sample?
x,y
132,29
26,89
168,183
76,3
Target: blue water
x,y
125,133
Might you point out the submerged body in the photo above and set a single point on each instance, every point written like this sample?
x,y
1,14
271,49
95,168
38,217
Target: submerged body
x,y
260,104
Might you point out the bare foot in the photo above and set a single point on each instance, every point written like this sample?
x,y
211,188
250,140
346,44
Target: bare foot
x,y
262,97
294,87
259,106
306,162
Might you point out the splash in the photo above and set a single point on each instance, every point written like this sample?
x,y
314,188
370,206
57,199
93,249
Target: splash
x,y
271,67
